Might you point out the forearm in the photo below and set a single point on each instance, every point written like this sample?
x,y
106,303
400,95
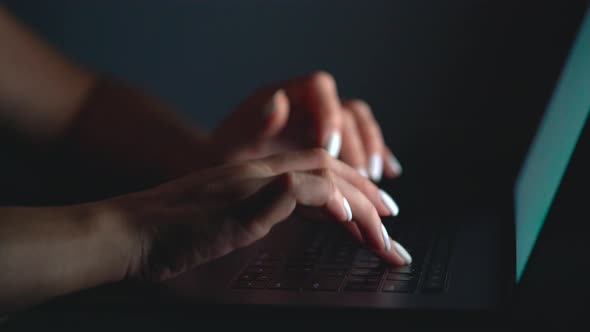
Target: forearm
x,y
39,89
119,129
55,105
47,252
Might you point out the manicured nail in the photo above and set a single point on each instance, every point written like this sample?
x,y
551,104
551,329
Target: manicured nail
x,y
363,171
333,144
389,202
396,167
347,209
386,238
375,167
403,253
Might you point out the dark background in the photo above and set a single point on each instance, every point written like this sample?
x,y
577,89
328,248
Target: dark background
x,y
458,86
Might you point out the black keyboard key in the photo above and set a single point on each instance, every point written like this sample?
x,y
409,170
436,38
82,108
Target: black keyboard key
x,y
265,263
287,284
306,263
262,277
388,286
324,283
436,274
366,272
260,269
361,287
331,266
269,256
289,280
400,276
249,284
435,278
333,272
298,269
408,269
363,265
432,286
340,260
354,279
248,276
398,286
373,259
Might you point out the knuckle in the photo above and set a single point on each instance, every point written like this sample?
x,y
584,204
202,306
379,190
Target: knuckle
x,y
322,156
264,166
367,206
330,180
287,181
367,186
323,173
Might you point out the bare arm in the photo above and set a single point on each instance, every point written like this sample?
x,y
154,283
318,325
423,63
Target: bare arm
x,y
47,252
53,103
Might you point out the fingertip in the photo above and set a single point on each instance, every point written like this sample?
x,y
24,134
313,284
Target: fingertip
x,y
275,112
394,165
375,167
347,210
393,256
333,143
403,253
389,203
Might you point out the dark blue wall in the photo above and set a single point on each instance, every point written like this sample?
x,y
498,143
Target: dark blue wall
x,y
455,84
204,56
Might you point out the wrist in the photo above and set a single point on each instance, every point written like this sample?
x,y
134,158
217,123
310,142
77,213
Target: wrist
x,y
116,239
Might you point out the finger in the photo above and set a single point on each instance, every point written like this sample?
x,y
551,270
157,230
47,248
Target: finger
x,y
397,255
276,200
392,166
371,136
317,158
369,223
316,95
260,117
353,150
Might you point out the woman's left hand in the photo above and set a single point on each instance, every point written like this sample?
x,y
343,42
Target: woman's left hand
x,y
303,113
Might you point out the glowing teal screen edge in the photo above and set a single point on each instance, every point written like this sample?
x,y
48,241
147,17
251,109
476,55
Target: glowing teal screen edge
x,y
552,146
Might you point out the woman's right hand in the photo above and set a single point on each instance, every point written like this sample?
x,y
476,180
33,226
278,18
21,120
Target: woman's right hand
x,y
208,214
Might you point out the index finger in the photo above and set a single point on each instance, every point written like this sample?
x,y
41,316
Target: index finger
x,y
317,159
317,95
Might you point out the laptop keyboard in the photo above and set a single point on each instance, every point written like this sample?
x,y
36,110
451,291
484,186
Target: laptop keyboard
x,y
333,261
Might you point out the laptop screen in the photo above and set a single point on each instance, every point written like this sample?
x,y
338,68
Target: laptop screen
x,y
552,146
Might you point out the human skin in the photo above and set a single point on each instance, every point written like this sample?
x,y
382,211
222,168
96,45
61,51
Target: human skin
x,y
207,194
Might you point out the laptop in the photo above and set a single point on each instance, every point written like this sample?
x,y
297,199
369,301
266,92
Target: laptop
x,y
469,262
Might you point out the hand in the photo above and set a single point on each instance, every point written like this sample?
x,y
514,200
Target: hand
x,y
206,215
306,112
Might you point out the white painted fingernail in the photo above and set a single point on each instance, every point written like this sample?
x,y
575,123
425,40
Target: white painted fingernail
x,y
333,144
403,253
396,167
389,202
375,167
385,238
363,171
347,209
